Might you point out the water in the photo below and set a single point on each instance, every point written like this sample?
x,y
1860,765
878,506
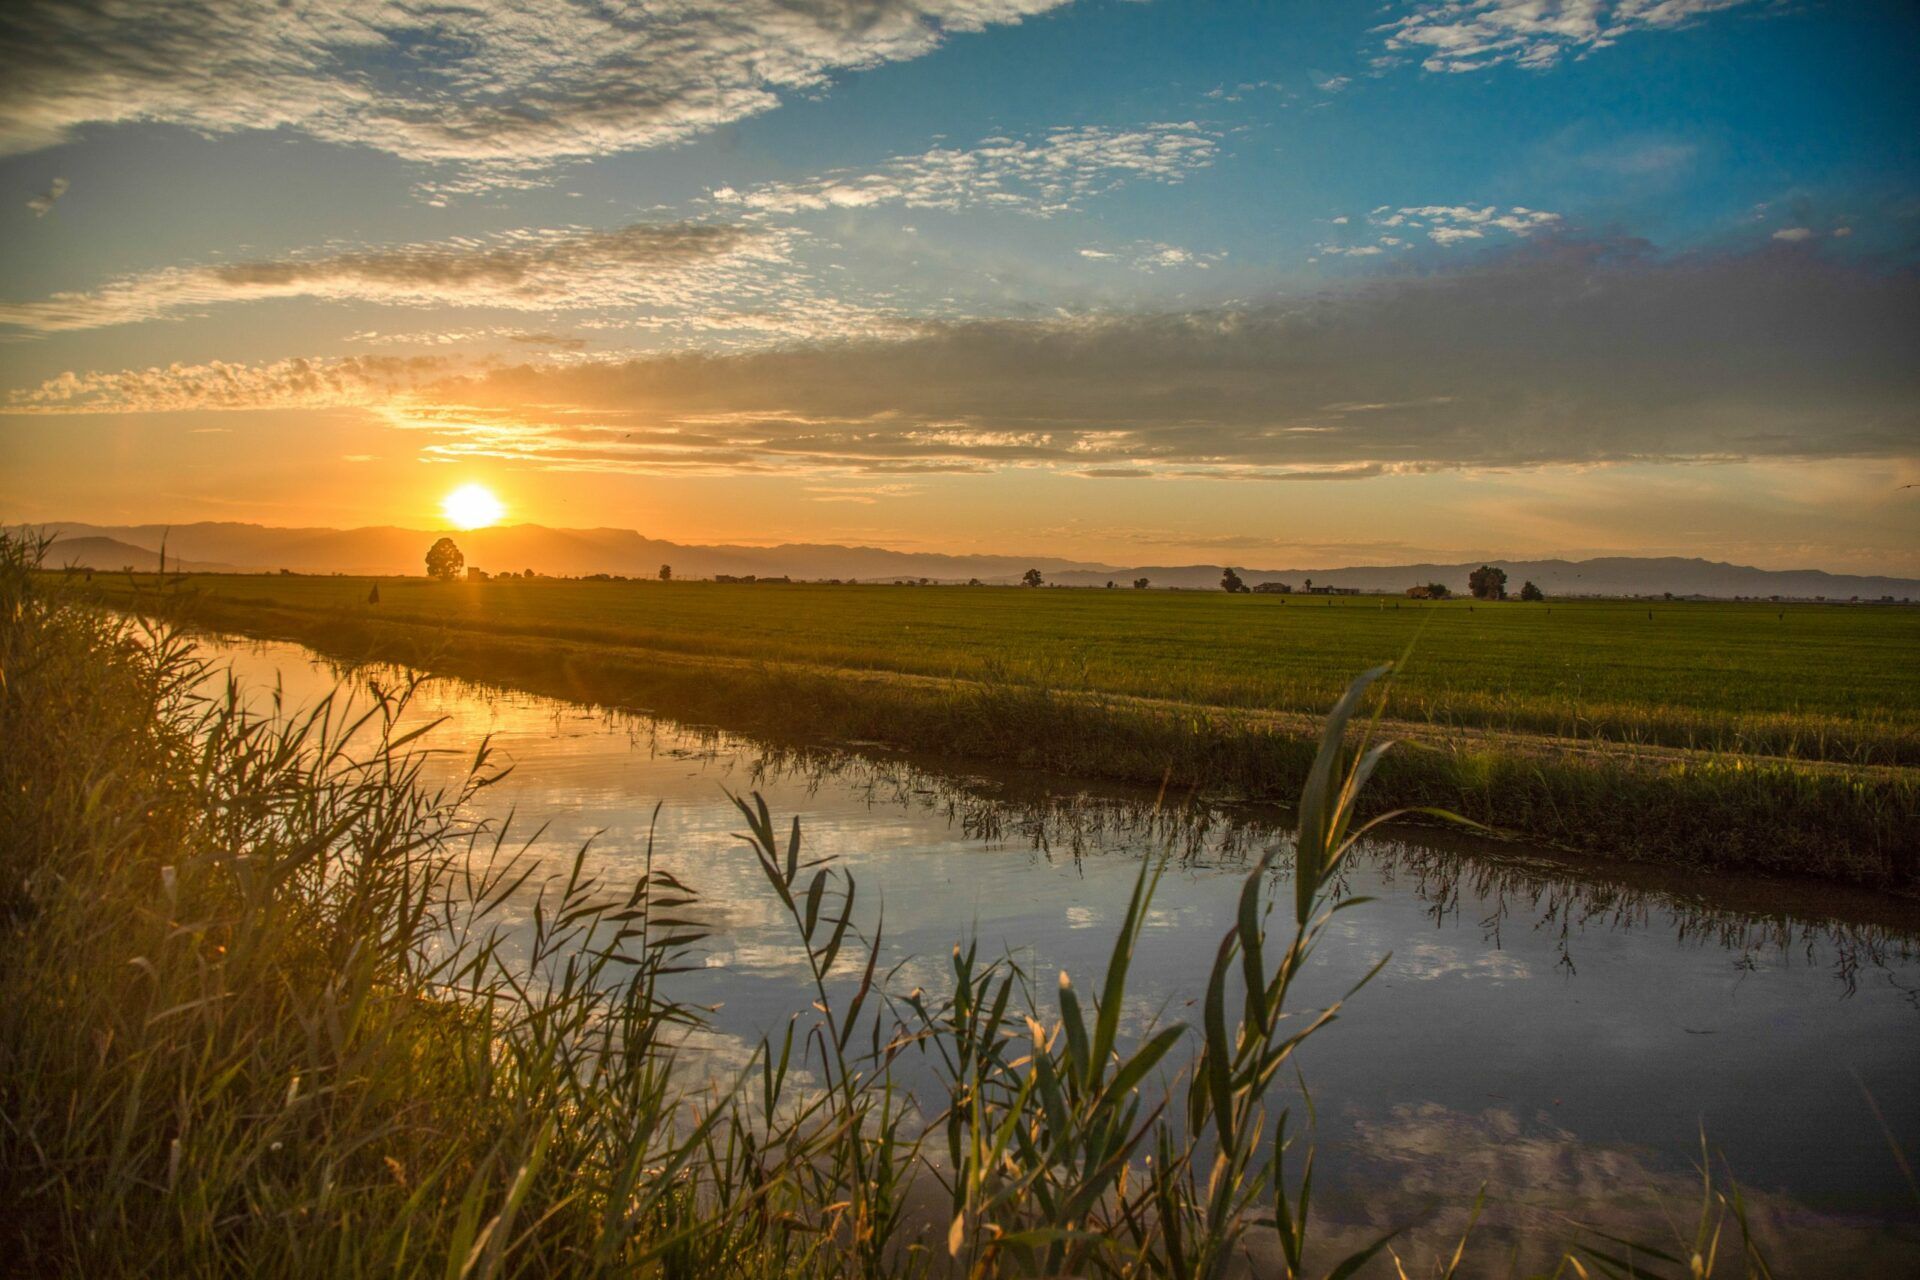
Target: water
x,y
1559,1035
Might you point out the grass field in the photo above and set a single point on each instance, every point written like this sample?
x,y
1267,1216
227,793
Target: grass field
x,y
1730,736
1806,681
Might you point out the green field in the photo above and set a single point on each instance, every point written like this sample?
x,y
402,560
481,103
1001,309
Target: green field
x,y
1828,682
1710,735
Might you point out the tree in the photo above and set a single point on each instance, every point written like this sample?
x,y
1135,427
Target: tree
x,y
444,560
1231,584
1488,583
1438,591
373,596
1031,578
666,573
1531,592
1140,584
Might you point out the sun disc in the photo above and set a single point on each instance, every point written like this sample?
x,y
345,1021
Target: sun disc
x,y
472,506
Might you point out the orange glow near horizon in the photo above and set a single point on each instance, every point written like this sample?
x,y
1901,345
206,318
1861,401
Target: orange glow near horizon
x,y
472,506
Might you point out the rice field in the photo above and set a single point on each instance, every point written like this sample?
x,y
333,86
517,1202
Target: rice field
x,y
1825,682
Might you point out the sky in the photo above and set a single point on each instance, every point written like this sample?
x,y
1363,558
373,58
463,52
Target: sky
x,y
1269,283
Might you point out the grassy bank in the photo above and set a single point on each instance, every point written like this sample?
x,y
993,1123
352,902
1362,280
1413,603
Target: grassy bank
x,y
259,1016
1804,681
1850,823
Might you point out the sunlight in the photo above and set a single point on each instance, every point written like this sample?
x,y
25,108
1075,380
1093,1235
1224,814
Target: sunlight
x,y
472,506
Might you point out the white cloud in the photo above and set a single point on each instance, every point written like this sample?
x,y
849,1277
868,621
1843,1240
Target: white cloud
x,y
1444,224
43,203
1044,175
1794,235
676,265
297,383
495,88
1471,35
1153,255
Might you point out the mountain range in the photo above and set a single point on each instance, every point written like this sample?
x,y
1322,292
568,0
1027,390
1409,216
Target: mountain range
x,y
216,547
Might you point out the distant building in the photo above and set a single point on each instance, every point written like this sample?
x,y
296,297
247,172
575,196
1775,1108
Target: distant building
x,y
1333,591
1273,588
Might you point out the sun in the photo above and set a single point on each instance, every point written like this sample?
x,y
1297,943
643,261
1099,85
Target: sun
x,y
472,506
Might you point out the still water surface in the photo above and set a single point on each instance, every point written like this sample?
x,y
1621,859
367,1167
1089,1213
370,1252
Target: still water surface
x,y
1558,1035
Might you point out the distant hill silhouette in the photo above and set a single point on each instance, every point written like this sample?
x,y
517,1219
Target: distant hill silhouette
x,y
225,546
111,554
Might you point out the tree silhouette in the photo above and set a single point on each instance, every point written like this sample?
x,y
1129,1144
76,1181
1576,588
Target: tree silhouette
x,y
1488,583
1140,584
666,573
1031,578
1531,592
444,560
1231,584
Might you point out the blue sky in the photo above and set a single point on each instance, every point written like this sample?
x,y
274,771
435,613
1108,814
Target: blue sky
x,y
1135,281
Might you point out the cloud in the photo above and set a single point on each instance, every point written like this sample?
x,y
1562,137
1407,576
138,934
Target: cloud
x,y
43,203
492,88
659,265
1550,352
1793,235
1153,255
866,495
352,382
1445,225
1044,175
1472,35
462,337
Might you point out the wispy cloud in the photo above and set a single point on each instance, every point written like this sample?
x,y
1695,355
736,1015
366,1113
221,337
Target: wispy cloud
x,y
465,337
671,265
1774,353
42,204
1443,224
1153,255
494,88
1472,35
351,382
1043,175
